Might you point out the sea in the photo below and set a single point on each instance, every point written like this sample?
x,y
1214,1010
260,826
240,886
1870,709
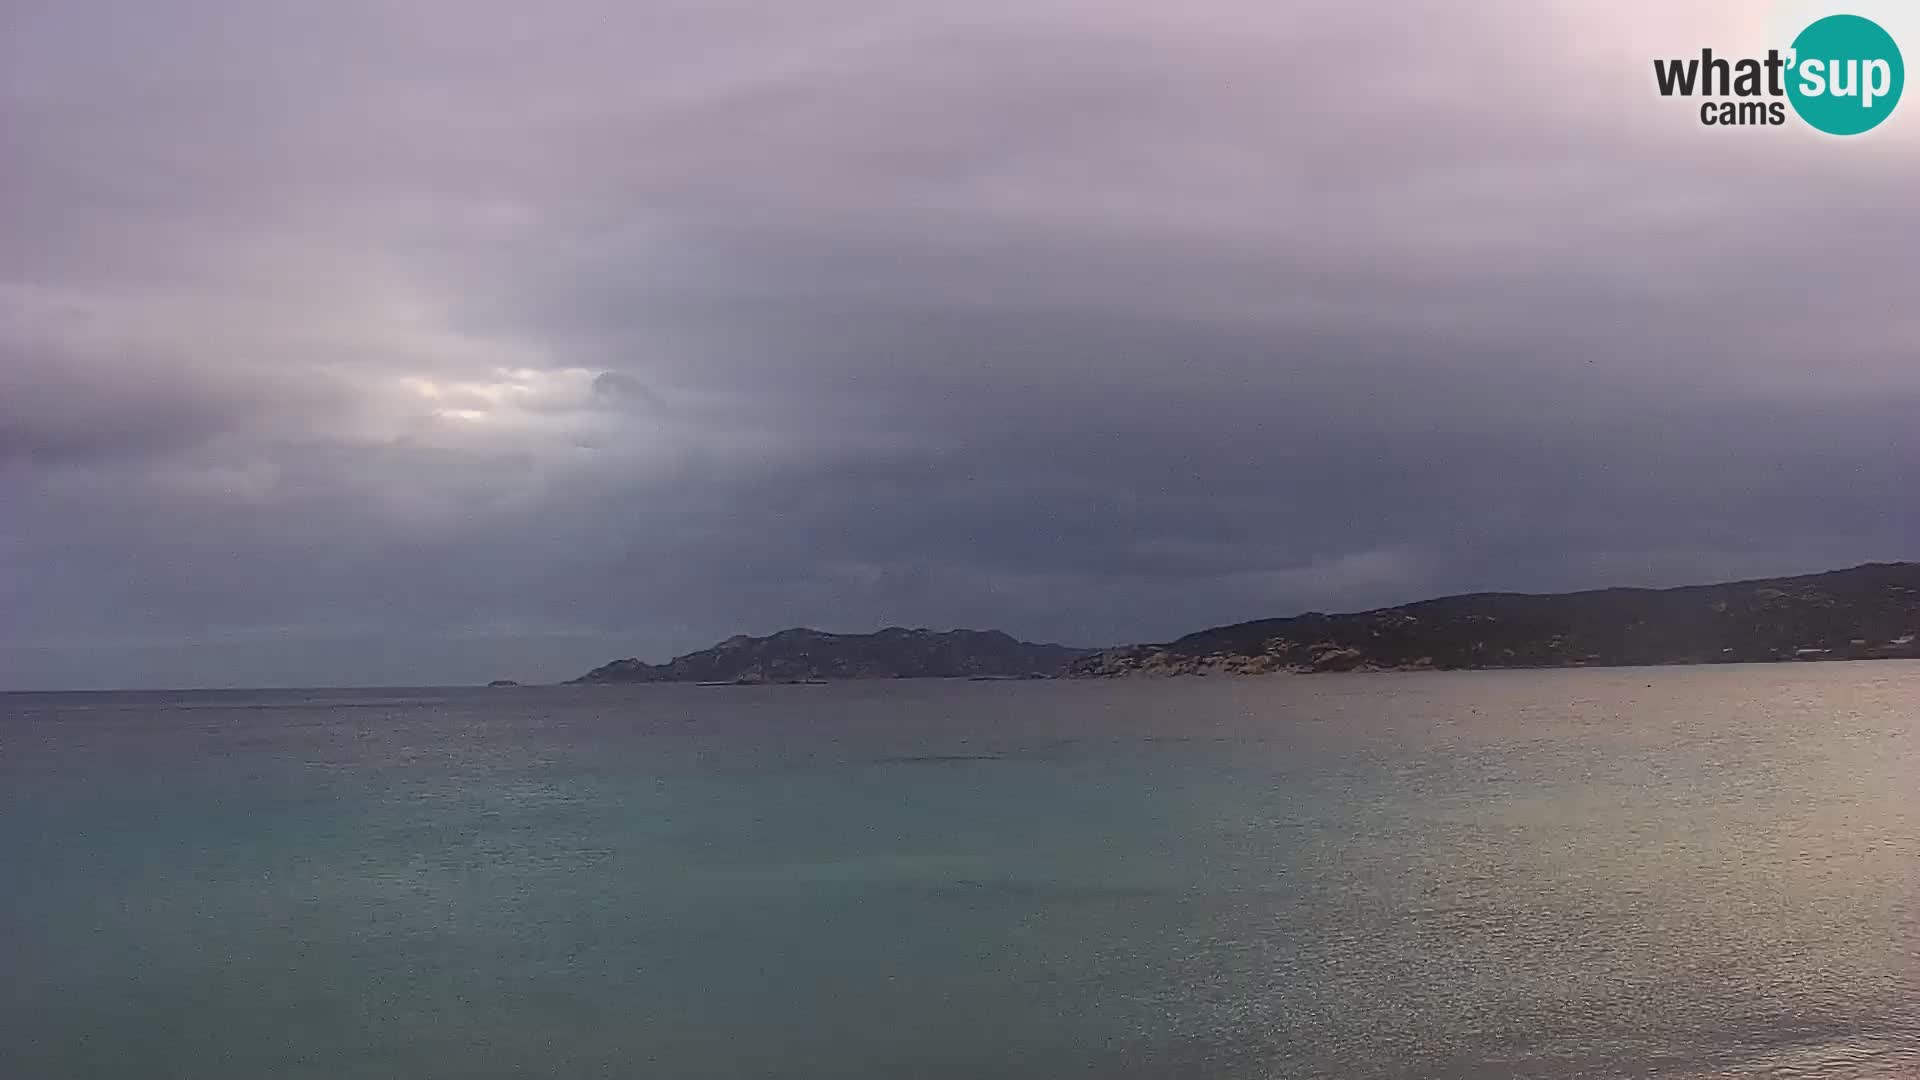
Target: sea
x,y
1680,873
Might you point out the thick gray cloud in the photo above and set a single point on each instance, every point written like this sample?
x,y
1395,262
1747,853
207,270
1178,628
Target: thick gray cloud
x,y
365,342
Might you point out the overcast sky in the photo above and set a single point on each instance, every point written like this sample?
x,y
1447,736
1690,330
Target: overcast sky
x,y
375,342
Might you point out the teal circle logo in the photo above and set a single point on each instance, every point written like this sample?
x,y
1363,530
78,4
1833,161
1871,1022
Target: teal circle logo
x,y
1846,75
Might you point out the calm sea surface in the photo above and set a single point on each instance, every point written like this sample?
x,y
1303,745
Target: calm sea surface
x,y
1640,873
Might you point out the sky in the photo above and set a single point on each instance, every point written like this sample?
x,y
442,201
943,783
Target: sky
x,y
376,343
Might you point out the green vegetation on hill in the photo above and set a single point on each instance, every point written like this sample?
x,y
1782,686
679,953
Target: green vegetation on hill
x,y
1867,612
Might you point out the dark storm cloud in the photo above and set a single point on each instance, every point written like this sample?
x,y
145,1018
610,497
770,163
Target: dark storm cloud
x,y
391,344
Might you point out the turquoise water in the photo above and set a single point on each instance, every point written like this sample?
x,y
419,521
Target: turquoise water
x,y
1675,872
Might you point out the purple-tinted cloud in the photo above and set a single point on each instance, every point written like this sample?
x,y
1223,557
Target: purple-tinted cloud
x,y
439,341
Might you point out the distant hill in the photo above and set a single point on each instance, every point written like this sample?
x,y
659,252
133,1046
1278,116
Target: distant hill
x,y
1870,611
802,655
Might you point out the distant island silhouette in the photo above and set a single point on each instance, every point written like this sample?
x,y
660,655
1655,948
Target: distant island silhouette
x,y
1866,612
802,655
